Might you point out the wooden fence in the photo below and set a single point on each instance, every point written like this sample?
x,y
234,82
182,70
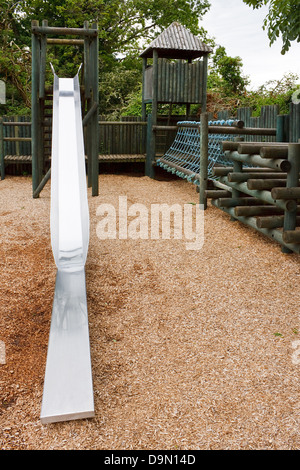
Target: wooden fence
x,y
289,124
127,137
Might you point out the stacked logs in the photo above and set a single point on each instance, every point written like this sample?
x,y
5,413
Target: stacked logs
x,y
262,189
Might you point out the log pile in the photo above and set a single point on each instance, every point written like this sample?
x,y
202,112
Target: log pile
x,y
263,189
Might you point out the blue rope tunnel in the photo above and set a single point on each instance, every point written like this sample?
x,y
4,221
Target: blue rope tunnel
x,y
183,157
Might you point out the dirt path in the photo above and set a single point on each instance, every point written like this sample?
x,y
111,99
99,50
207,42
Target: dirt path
x,y
190,349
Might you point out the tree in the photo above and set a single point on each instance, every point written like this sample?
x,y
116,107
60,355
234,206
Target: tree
x,y
230,71
282,20
124,28
15,59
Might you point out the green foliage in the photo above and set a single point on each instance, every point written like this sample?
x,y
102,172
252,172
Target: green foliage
x,y
227,71
133,106
283,20
273,92
117,87
124,28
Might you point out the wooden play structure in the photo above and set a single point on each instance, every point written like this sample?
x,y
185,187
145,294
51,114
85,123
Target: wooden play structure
x,y
172,78
246,165
263,189
42,36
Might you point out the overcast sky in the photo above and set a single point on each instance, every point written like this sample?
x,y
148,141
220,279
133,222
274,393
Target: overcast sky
x,y
238,28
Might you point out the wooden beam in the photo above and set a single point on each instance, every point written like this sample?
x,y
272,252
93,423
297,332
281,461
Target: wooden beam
x,y
277,164
36,29
65,42
274,221
238,201
250,211
216,194
263,184
203,175
286,193
35,52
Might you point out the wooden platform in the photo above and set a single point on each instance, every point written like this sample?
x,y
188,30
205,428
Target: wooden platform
x,y
102,158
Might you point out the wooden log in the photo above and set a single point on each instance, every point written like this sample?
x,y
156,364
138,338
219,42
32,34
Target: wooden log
x,y
228,145
35,118
16,123
243,131
277,164
286,193
90,113
265,196
252,148
274,221
238,123
17,139
242,177
42,71
221,170
272,234
236,193
240,201
42,184
291,236
94,127
278,151
219,185
250,211
66,42
63,31
127,123
177,167
265,184
215,194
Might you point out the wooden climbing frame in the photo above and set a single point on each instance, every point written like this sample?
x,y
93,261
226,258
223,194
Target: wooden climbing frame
x,y
40,125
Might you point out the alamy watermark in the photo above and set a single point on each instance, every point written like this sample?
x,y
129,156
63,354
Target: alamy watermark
x,y
2,353
2,92
296,353
162,221
296,96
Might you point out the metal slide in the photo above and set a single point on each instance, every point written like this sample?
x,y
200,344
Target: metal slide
x,y
68,387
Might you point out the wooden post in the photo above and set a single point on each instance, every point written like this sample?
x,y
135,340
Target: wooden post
x,y
203,160
2,150
152,121
143,89
87,92
204,82
41,101
94,59
149,171
42,70
280,129
35,51
237,168
154,107
42,184
290,217
144,106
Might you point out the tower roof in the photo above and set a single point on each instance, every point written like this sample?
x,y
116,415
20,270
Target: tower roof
x,y
176,42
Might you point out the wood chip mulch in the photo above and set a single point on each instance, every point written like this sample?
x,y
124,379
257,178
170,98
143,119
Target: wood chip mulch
x,y
189,349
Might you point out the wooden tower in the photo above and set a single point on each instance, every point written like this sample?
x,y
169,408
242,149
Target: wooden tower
x,y
177,75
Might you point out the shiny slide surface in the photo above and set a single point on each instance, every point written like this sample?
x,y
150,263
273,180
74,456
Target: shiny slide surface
x,y
68,387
